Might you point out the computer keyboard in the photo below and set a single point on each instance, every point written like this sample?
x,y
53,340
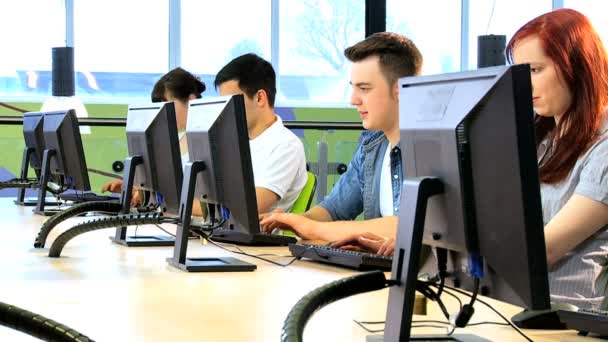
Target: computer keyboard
x,y
586,321
351,259
255,239
88,197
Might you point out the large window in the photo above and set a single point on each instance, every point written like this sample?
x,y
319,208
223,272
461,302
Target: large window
x,y
120,47
215,32
500,17
595,10
123,47
313,36
434,26
30,28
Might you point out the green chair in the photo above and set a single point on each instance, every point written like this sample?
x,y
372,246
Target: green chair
x,y
303,202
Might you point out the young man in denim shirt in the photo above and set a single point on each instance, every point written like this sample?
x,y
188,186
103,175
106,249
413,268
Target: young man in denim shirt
x,y
372,182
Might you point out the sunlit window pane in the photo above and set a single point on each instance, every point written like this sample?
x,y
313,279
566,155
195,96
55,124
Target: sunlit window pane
x,y
418,20
595,10
120,47
313,36
502,17
215,32
30,28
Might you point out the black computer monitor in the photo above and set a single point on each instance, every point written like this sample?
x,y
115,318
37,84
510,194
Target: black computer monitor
x,y
63,160
62,135
34,138
468,146
32,154
154,164
152,134
219,173
217,135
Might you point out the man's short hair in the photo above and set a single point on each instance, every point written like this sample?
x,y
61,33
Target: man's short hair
x,y
252,73
180,83
398,55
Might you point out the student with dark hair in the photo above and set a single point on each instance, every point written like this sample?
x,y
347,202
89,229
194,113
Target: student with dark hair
x,y
569,72
372,182
179,86
277,155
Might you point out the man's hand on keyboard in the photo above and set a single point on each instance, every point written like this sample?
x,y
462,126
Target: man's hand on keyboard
x,y
113,186
302,226
116,187
367,242
268,225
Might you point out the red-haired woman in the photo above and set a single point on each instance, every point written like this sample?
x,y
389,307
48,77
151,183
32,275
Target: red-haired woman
x,y
569,71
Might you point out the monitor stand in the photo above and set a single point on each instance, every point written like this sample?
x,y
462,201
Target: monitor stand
x,y
179,259
120,236
454,337
414,197
542,319
31,201
45,173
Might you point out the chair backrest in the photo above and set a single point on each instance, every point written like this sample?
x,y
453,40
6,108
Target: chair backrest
x,y
303,202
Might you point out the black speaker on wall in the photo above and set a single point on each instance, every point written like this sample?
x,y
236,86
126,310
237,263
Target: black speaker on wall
x,y
491,50
63,71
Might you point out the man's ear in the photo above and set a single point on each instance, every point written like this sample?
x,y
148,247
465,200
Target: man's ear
x,y
395,89
261,98
192,97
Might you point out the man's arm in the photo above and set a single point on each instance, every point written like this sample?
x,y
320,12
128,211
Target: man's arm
x,y
338,230
313,229
318,213
266,199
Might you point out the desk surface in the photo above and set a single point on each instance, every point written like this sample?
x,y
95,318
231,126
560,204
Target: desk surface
x,y
114,293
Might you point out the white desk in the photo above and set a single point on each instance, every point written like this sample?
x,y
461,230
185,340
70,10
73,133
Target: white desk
x,y
114,293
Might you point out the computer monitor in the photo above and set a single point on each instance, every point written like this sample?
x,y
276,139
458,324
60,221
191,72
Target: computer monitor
x,y
34,138
471,186
217,135
62,135
219,174
32,154
152,134
63,160
154,164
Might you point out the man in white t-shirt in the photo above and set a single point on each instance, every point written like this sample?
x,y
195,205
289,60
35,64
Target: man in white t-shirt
x,y
277,155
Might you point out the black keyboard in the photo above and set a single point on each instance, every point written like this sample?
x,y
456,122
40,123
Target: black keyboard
x,y
586,321
351,259
256,239
88,197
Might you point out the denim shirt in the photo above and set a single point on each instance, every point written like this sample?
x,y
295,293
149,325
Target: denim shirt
x,y
358,189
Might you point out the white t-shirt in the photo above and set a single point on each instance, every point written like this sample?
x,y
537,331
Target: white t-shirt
x,y
279,163
183,149
386,186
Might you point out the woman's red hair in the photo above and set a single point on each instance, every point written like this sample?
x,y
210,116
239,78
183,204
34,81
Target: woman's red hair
x,y
571,42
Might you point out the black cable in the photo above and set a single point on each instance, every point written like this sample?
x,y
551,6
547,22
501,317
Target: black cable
x,y
163,229
453,295
257,256
38,326
104,223
111,207
467,311
442,267
493,309
363,324
296,320
483,323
